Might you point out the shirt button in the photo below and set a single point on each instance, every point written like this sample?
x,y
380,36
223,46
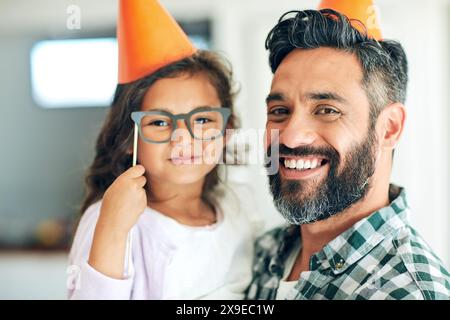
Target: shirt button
x,y
340,264
274,268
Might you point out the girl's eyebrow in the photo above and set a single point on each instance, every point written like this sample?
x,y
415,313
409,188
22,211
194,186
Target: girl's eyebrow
x,y
167,110
156,109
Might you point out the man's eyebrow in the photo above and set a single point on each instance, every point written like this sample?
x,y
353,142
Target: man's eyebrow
x,y
275,96
327,95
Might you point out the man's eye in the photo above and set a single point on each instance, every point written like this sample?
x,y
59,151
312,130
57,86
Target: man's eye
x,y
327,111
279,111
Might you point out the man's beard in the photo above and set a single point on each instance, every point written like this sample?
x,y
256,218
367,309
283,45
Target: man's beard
x,y
302,202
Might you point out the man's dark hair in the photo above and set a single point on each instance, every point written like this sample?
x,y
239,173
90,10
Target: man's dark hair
x,y
384,63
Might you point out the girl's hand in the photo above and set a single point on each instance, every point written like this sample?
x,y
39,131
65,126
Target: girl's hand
x,y
123,203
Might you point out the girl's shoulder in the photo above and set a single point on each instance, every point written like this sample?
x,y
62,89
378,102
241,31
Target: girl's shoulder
x,y
91,213
88,221
85,232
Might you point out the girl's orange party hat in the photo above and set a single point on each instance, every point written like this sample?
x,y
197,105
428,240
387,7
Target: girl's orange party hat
x,y
149,38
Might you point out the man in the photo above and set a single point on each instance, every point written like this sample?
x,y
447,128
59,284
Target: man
x,y
337,99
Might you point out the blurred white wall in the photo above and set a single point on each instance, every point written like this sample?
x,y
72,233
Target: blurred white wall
x,y
240,28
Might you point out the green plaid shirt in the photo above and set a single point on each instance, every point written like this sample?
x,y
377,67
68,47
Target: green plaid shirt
x,y
380,257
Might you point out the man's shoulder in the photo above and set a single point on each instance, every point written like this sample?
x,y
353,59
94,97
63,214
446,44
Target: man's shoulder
x,y
426,269
407,269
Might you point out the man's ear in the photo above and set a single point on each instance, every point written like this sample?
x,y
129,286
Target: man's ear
x,y
393,122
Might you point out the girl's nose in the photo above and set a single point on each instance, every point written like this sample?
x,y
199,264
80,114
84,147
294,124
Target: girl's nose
x,y
181,134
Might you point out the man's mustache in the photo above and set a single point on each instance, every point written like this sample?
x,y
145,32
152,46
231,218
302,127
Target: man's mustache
x,y
328,153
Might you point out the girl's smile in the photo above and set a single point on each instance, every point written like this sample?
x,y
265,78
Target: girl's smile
x,y
186,160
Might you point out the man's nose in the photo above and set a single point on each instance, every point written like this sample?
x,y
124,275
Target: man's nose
x,y
299,131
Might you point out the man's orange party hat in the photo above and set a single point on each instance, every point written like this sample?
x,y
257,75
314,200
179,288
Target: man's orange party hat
x,y
149,38
362,10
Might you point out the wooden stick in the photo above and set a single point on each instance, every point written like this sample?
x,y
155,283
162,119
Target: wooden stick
x,y
129,246
135,142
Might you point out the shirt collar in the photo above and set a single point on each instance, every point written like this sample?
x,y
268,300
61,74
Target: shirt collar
x,y
354,243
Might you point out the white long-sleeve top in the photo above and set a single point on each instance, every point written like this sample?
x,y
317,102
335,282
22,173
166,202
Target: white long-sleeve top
x,y
175,261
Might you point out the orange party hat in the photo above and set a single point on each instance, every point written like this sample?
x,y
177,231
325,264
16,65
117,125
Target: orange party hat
x,y
149,38
362,10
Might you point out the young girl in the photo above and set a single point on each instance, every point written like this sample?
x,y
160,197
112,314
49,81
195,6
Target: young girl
x,y
192,235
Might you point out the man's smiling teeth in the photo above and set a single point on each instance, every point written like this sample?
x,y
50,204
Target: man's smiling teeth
x,y
302,164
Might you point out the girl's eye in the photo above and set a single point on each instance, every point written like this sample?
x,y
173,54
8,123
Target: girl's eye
x,y
202,120
159,123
